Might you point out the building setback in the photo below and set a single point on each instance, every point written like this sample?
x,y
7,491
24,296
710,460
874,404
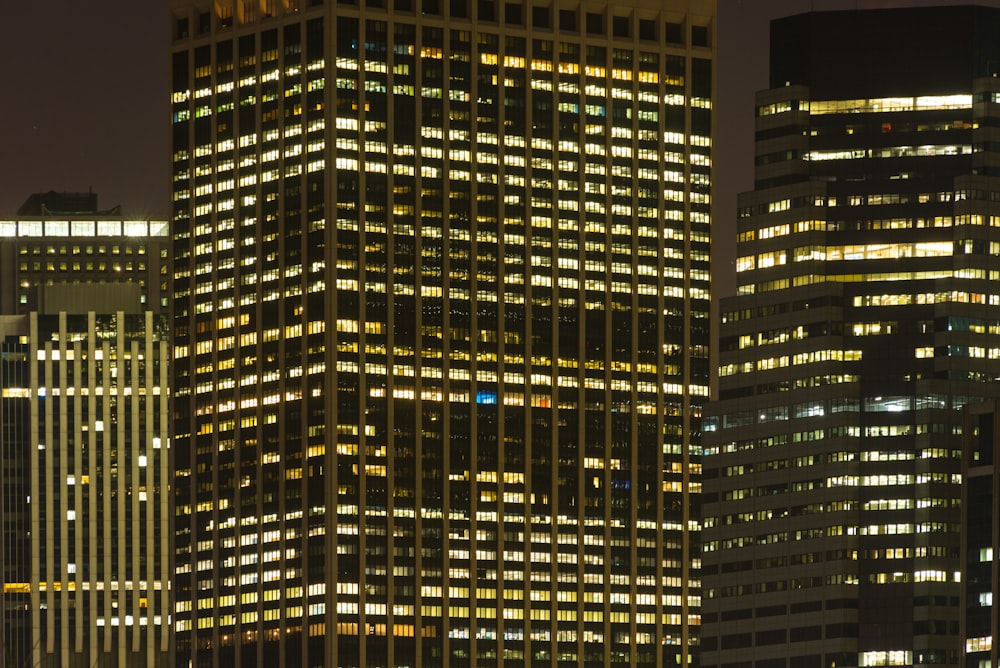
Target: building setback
x,y
867,315
85,562
442,295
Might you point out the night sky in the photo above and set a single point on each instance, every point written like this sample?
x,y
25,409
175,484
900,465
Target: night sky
x,y
85,102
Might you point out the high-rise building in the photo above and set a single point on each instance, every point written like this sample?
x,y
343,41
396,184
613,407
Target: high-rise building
x,y
85,556
867,315
442,295
981,534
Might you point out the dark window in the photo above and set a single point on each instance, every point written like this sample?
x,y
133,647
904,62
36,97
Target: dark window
x,y
540,17
984,442
597,55
269,43
699,35
204,23
487,10
432,7
404,5
314,39
460,9
647,29
775,637
806,633
347,37
619,26
293,42
433,37
701,77
769,663
224,55
512,12
182,28
813,661
736,640
771,610
567,19
701,122
846,630
807,606
202,59
674,33
739,613
595,23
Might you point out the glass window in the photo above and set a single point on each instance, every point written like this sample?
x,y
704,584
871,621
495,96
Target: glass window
x,y
57,228
674,33
699,35
109,228
567,19
595,23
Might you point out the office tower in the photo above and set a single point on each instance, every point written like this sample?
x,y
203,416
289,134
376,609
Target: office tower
x,y
84,489
442,293
980,508
866,316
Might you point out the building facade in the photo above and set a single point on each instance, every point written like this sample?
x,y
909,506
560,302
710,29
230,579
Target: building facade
x,y
867,315
980,534
441,312
86,562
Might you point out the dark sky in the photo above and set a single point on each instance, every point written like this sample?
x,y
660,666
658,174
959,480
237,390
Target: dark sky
x,y
85,101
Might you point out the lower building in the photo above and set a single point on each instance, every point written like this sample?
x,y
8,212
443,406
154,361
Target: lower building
x,y
86,558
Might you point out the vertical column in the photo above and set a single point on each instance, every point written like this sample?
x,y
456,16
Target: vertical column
x,y
106,482
96,569
36,497
49,528
66,517
129,450
81,557
164,595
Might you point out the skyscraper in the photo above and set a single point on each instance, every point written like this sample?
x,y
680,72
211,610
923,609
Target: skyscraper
x,y
867,315
84,485
442,295
980,508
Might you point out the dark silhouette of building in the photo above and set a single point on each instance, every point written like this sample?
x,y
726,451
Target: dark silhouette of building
x,y
867,315
980,509
54,203
441,316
